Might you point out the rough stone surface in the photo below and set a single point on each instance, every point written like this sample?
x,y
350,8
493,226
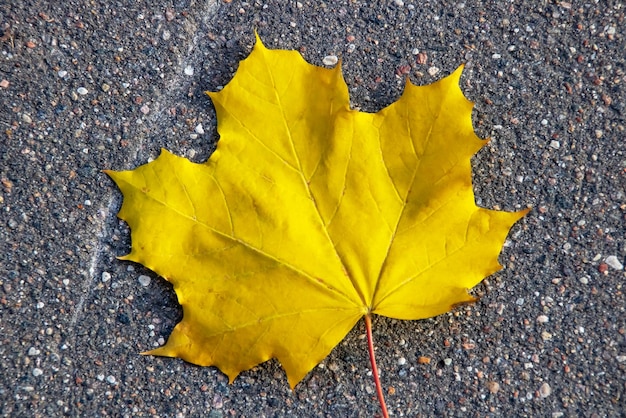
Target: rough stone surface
x,y
540,73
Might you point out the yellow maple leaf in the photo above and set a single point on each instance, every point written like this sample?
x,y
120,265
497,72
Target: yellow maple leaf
x,y
311,215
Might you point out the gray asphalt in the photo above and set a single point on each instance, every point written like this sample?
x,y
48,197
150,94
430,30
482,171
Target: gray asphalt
x,y
86,86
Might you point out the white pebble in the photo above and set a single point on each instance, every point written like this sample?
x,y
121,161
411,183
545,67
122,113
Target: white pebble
x,y
111,379
66,282
584,280
433,70
37,372
447,361
144,280
542,319
399,3
546,336
555,144
330,60
62,73
82,91
612,261
496,56
545,390
100,377
39,305
189,70
106,276
199,129
26,118
401,361
33,351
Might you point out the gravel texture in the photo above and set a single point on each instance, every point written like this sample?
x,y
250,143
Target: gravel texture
x,y
86,86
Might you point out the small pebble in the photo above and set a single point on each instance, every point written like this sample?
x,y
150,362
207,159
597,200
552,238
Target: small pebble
x,y
613,262
555,144
26,118
433,70
330,60
111,379
105,87
62,73
401,361
493,387
106,276
189,70
37,372
399,3
545,390
145,109
4,83
33,351
447,361
584,280
218,403
546,336
423,360
144,280
542,319
82,91
199,129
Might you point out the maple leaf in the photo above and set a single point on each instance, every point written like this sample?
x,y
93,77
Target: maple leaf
x,y
311,215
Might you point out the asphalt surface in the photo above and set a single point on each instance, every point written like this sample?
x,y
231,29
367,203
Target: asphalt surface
x,y
86,86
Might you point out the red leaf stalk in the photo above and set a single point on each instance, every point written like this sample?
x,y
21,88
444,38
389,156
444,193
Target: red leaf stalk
x,y
370,347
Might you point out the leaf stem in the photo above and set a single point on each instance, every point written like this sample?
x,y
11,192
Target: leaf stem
x,y
370,347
